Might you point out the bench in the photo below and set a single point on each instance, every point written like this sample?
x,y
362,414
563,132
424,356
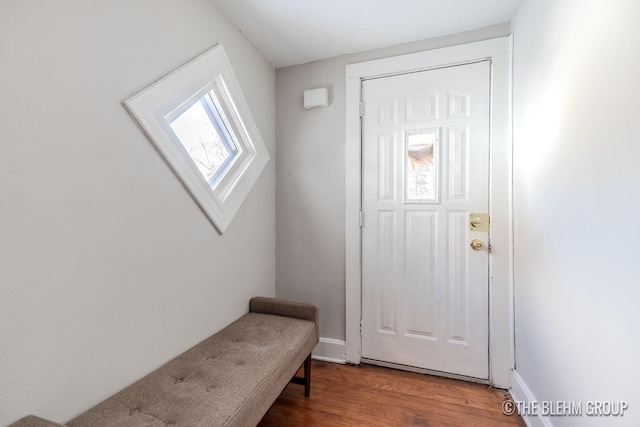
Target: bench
x,y
230,379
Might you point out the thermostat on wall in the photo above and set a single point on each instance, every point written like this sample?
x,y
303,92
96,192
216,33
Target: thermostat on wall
x,y
316,98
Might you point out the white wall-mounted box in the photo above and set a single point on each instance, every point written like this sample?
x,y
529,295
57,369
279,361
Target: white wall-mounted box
x,y
316,98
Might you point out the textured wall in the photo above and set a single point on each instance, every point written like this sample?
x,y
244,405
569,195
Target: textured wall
x,y
107,267
576,200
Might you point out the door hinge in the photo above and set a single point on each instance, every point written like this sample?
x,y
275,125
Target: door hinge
x,y
361,109
361,219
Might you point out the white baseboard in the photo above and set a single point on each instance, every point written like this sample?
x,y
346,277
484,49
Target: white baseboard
x,y
330,350
520,392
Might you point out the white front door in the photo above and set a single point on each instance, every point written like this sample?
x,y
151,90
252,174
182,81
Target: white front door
x,y
425,174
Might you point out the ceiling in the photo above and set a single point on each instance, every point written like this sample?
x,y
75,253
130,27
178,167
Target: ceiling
x,y
290,32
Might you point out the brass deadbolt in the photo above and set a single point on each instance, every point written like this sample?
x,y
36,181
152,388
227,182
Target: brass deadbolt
x,y
479,222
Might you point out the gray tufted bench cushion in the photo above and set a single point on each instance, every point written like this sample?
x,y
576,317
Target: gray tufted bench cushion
x,y
229,379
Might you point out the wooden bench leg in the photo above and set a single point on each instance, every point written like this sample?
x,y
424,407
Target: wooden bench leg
x,y
307,376
306,380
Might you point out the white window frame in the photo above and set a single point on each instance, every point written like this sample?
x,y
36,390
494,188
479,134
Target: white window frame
x,y
156,106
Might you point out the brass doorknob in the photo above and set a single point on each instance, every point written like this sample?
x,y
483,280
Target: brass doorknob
x,y
476,245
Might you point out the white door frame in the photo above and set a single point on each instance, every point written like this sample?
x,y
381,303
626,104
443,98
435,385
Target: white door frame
x,y
501,318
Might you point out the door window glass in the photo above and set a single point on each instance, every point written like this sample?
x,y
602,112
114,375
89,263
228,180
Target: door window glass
x,y
421,164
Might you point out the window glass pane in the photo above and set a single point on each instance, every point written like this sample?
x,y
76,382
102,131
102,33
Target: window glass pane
x,y
200,131
421,176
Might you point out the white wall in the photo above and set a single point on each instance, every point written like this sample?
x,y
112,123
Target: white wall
x,y
310,174
107,267
576,153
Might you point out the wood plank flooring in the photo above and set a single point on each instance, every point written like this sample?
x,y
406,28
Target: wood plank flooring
x,y
365,395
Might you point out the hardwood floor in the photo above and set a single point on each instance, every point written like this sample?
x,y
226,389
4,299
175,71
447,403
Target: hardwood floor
x,y
365,395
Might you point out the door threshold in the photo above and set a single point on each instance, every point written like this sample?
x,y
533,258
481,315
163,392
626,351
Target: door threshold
x,y
424,371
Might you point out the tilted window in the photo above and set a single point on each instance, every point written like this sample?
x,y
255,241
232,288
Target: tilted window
x,y
199,120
